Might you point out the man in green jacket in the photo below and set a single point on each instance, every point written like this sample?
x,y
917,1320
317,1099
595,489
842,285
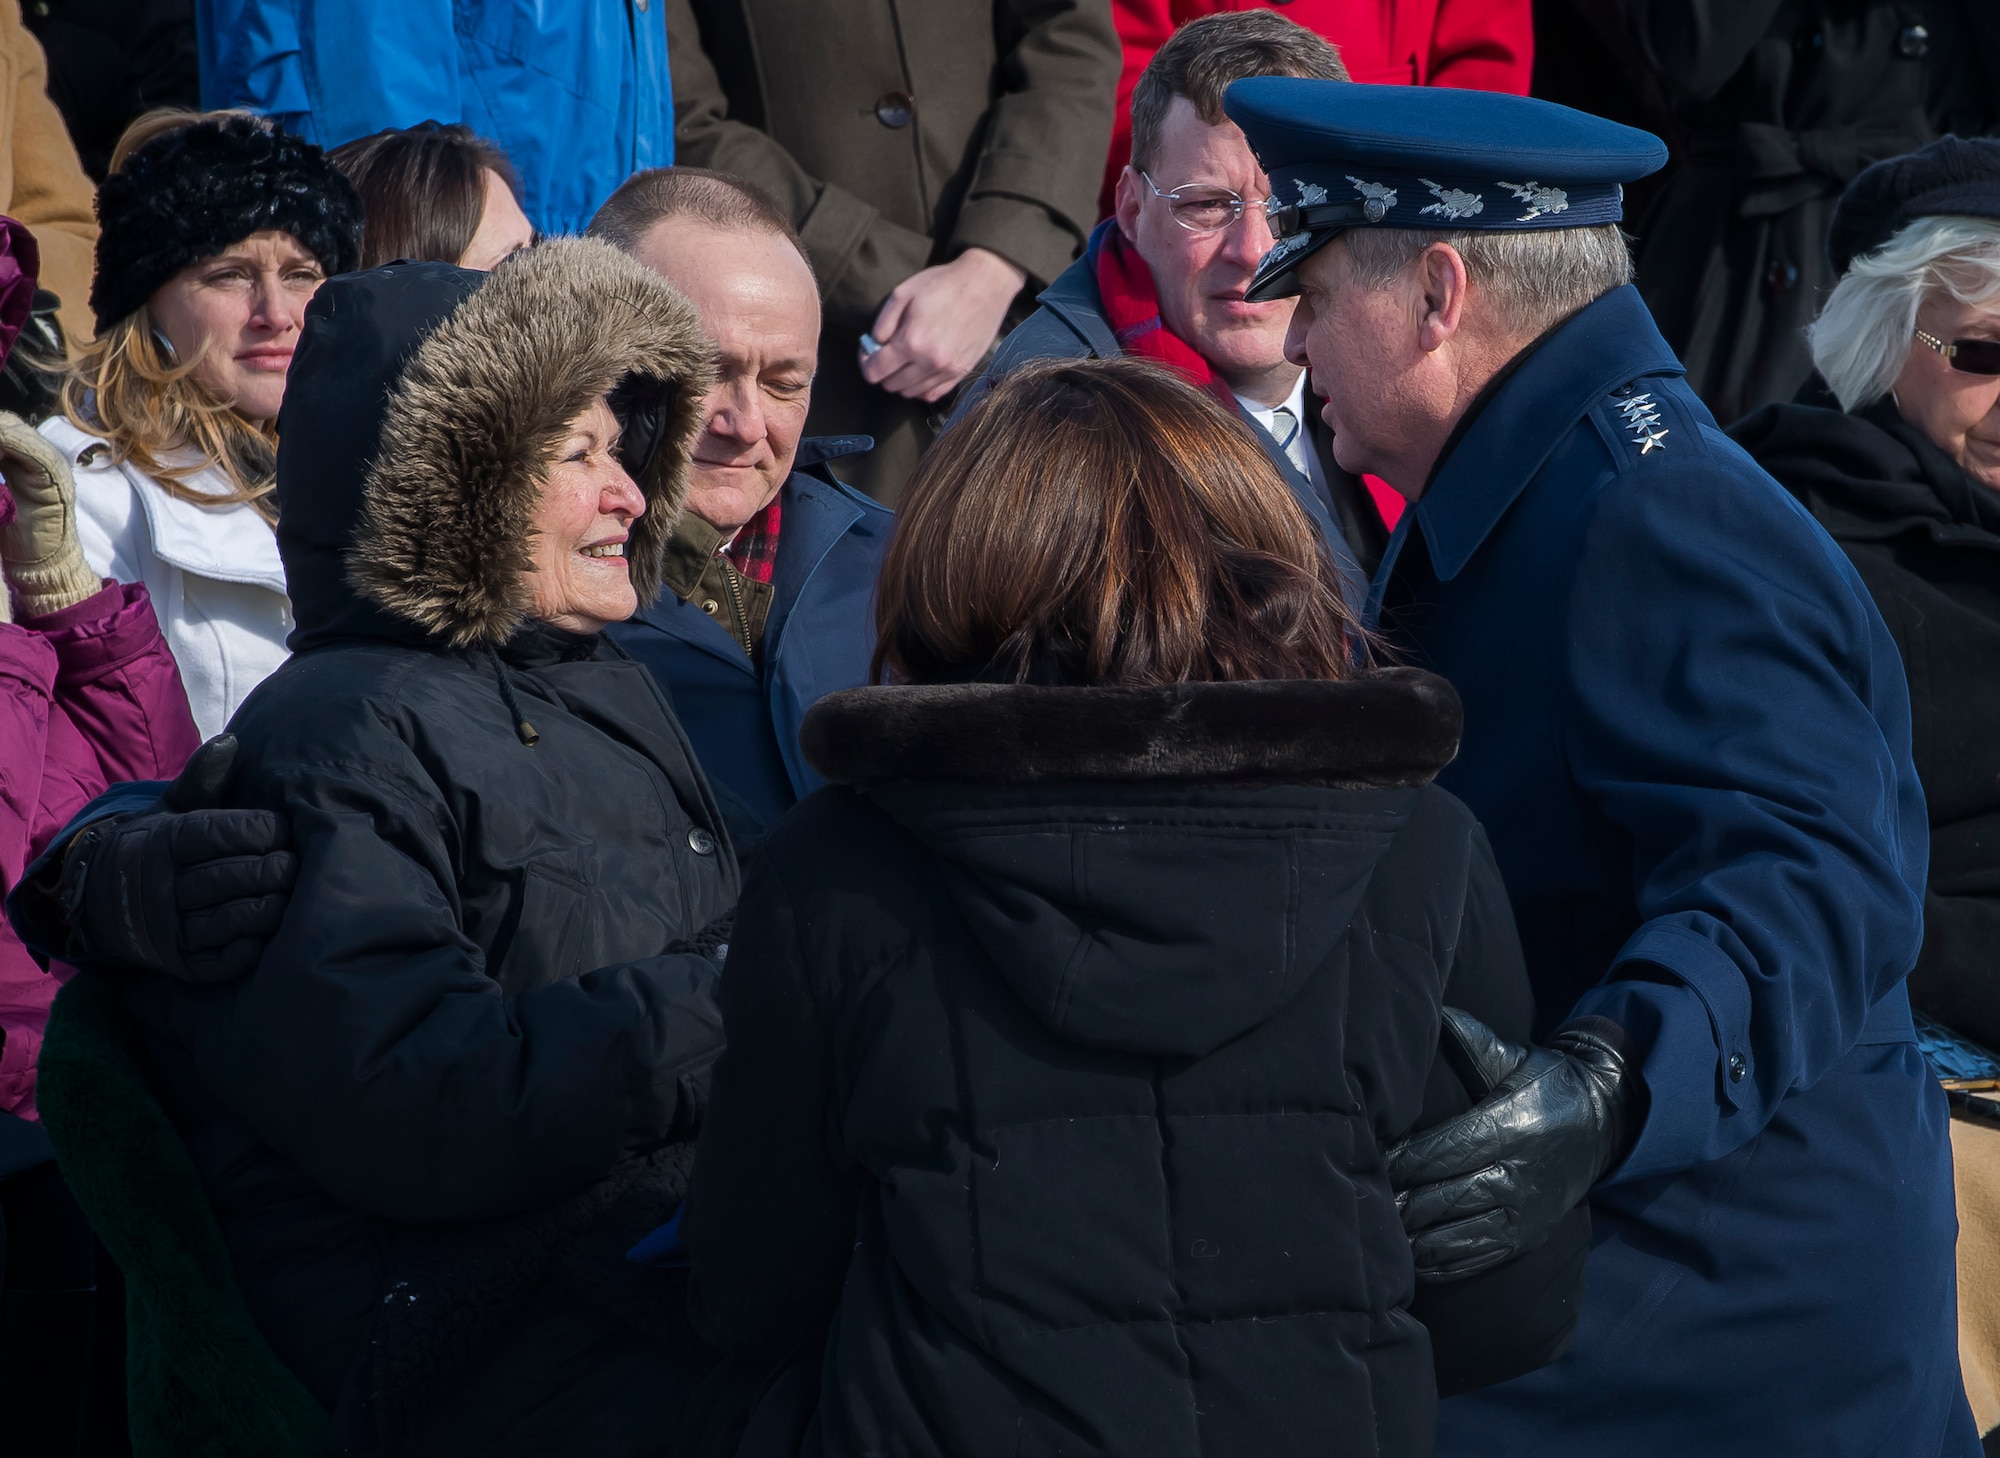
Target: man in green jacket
x,y
936,157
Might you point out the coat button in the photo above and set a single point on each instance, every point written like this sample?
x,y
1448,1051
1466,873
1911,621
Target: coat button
x,y
1738,1066
710,606
895,109
700,841
1914,43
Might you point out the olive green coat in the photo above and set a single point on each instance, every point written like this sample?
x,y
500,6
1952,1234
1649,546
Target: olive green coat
x,y
897,134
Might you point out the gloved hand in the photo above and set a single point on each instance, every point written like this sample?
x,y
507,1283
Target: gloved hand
x,y
712,941
185,889
1482,1188
39,550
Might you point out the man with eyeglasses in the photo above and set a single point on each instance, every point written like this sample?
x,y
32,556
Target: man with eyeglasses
x,y
1166,275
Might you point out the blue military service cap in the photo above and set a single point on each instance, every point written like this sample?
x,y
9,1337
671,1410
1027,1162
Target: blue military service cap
x,y
1344,155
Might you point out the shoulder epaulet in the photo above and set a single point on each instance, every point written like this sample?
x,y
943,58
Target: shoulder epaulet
x,y
1641,416
1643,421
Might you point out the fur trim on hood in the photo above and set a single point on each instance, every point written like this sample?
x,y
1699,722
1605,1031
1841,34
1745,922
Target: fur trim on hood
x,y
482,406
1397,726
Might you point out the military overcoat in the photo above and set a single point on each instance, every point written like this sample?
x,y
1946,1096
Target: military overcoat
x,y
1687,733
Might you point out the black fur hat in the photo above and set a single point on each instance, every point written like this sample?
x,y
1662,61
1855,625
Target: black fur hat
x,y
190,193
1959,176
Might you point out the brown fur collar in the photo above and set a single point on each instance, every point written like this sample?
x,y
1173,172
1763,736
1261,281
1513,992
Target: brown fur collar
x,y
480,408
1397,726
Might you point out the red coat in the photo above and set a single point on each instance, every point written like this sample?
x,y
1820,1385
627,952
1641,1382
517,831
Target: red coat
x,y
1482,45
88,696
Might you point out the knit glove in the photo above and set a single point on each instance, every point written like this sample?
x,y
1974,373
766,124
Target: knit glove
x,y
39,551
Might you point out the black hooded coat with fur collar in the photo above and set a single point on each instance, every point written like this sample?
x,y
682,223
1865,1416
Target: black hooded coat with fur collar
x,y
1066,1032
460,1084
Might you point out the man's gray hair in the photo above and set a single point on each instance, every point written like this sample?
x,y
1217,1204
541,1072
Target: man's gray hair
x,y
1533,280
1862,338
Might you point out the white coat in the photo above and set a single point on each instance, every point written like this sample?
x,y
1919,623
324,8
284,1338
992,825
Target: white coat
x,y
213,571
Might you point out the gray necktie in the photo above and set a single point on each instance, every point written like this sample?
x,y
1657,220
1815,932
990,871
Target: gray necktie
x,y
1291,439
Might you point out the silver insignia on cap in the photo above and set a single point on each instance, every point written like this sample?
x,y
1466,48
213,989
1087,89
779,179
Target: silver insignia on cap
x,y
1452,203
1311,194
1539,199
1284,248
1377,197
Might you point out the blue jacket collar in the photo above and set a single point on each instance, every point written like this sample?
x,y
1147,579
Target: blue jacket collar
x,y
816,450
1606,344
1074,299
818,512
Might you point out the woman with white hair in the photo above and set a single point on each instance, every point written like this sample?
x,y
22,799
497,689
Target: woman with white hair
x,y
1905,475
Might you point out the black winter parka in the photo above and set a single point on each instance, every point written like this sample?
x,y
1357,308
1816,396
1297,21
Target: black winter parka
x,y
1925,537
1062,1055
471,1048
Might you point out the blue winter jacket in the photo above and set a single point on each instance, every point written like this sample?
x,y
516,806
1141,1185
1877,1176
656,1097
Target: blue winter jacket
x,y
1687,733
575,91
743,717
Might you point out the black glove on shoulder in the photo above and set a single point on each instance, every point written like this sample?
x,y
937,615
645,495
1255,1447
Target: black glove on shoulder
x,y
712,941
1492,1183
191,891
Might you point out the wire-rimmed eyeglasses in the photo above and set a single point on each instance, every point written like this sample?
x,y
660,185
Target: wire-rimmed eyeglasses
x,y
1203,207
1968,356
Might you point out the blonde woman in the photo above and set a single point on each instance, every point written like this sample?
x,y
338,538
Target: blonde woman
x,y
216,230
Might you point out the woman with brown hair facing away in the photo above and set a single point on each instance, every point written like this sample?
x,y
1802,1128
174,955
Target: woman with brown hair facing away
x,y
435,194
215,230
1068,1028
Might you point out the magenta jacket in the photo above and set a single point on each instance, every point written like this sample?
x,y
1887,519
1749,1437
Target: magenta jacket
x,y
89,697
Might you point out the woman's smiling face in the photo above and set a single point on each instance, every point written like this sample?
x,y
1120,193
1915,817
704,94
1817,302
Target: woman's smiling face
x,y
580,577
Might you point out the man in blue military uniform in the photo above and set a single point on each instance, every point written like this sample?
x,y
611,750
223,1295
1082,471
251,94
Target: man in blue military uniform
x,y
1688,735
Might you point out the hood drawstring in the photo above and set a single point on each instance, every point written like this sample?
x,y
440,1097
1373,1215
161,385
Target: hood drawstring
x,y
522,727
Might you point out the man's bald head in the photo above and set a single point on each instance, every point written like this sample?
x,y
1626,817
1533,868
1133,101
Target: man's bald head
x,y
724,244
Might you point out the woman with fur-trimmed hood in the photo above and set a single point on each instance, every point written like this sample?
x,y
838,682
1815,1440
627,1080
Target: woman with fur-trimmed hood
x,y
462,1080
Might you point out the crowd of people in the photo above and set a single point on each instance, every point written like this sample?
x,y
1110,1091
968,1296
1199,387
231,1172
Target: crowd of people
x,y
736,728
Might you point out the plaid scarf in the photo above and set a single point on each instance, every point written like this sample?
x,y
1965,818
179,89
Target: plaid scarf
x,y
753,551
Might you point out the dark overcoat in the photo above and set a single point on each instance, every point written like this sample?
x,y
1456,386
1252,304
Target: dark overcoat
x,y
896,134
1065,1033
1688,735
743,716
1925,537
1775,106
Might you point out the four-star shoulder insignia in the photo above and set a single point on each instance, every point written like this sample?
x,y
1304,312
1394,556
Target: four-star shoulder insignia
x,y
1642,418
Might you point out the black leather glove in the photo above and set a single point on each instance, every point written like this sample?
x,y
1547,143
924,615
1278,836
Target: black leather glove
x,y
712,941
1546,1125
184,889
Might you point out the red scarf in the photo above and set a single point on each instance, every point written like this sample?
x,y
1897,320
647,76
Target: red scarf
x,y
1132,307
753,551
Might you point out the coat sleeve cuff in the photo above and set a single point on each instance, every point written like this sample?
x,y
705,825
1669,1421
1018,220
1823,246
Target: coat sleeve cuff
x,y
104,632
1690,1036
859,255
1024,233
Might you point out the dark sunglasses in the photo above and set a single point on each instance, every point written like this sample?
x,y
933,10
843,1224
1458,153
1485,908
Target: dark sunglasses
x,y
1969,356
